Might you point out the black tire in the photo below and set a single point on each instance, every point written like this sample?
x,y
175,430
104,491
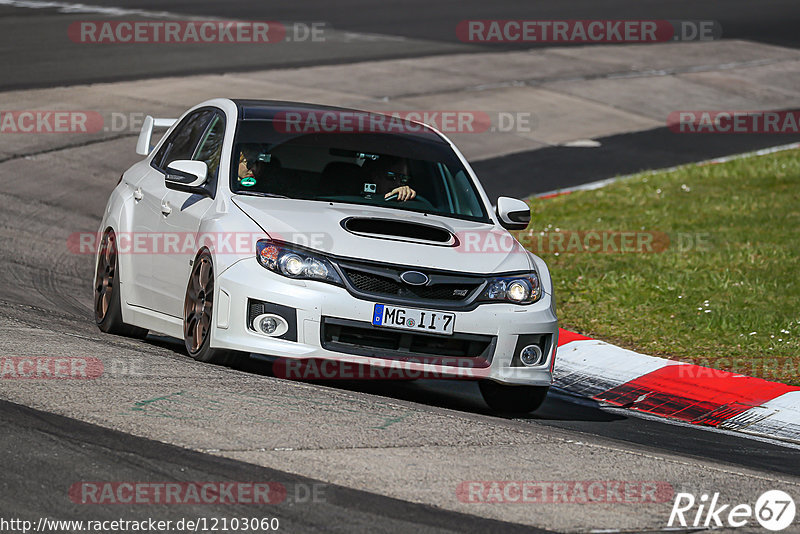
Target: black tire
x,y
198,310
510,399
107,300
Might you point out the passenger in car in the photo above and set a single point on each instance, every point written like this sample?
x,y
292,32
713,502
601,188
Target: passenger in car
x,y
244,168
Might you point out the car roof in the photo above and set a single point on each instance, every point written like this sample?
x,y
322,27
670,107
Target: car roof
x,y
271,110
256,109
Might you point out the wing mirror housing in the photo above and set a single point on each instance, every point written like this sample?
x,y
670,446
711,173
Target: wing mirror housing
x,y
513,214
188,176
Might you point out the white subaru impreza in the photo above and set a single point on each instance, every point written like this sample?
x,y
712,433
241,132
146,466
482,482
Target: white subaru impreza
x,y
310,233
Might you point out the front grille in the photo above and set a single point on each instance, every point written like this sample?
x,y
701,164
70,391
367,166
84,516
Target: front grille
x,y
367,282
364,339
371,283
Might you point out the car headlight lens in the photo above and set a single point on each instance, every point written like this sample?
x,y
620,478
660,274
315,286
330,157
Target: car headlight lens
x,y
496,290
521,289
316,268
294,263
518,290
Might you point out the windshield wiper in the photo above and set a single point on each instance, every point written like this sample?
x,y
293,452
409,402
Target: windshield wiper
x,y
256,194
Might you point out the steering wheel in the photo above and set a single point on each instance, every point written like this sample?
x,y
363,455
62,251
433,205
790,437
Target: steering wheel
x,y
418,198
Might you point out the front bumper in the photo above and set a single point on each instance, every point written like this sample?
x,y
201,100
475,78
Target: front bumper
x,y
317,304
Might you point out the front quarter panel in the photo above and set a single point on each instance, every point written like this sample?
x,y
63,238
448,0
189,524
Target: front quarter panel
x,y
118,217
229,234
544,273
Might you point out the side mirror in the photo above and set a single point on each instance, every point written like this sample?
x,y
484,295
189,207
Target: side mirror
x,y
187,176
513,214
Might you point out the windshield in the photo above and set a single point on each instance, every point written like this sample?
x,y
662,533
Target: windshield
x,y
398,171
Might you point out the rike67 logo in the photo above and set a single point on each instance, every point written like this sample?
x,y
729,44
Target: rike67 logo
x,y
774,510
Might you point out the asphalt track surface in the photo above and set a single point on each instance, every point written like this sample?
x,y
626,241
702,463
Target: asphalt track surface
x,y
46,294
770,21
61,447
38,294
33,52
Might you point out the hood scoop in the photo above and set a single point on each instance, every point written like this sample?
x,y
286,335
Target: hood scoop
x,y
395,230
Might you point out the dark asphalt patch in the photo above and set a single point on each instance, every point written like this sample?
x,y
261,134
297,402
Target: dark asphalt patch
x,y
547,169
59,452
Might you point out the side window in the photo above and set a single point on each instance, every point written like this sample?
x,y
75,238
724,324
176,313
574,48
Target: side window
x,y
182,142
210,148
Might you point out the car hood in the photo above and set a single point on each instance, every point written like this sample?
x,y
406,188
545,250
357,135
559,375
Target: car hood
x,y
477,248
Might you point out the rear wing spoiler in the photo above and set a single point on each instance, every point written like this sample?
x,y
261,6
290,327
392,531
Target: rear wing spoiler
x,y
143,147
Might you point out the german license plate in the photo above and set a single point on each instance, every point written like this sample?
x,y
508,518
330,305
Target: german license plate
x,y
433,322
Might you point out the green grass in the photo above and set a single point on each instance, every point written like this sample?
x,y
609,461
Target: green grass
x,y
732,303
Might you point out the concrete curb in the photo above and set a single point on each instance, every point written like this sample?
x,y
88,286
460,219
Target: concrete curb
x,y
690,393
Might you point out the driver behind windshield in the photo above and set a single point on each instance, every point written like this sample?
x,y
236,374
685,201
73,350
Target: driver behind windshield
x,y
391,176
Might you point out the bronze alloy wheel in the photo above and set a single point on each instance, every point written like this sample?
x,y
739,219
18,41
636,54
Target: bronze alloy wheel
x,y
108,292
104,277
199,304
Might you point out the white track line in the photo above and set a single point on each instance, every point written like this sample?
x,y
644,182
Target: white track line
x,y
70,8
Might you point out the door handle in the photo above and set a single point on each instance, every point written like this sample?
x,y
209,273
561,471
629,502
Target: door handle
x,y
137,194
166,209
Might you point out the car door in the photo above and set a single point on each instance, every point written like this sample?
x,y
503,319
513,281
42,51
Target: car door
x,y
148,254
182,214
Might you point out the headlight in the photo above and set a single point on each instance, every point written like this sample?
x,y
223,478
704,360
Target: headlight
x,y
520,289
295,263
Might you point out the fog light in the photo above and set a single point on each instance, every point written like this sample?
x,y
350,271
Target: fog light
x,y
268,325
271,325
531,355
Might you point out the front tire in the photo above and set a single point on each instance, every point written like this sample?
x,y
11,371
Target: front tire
x,y
107,299
509,399
198,314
